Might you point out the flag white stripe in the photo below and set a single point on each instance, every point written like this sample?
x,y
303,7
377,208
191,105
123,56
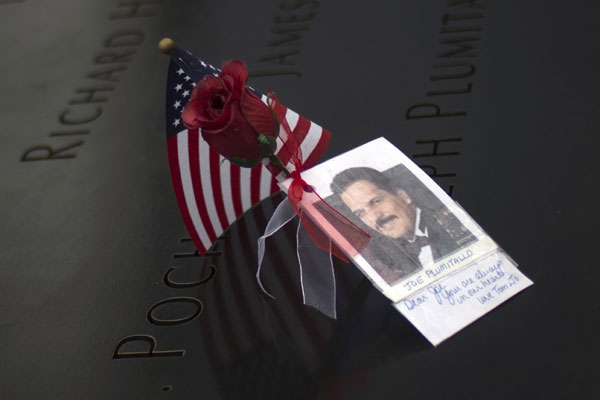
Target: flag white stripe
x,y
226,188
292,118
245,188
188,191
311,140
207,189
265,183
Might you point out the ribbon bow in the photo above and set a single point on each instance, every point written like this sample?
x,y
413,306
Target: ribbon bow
x,y
320,226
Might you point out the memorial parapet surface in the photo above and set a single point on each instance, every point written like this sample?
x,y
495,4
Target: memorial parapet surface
x,y
102,294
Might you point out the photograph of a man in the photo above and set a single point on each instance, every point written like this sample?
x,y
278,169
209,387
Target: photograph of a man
x,y
410,228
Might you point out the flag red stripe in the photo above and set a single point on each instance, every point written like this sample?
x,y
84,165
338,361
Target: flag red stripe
x,y
176,178
255,184
319,150
274,186
215,179
300,132
279,110
194,155
236,193
273,170
283,154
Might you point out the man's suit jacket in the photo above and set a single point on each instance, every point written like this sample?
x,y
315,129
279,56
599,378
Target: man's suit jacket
x,y
394,259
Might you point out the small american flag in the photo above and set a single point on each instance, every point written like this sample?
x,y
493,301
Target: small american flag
x,y
211,192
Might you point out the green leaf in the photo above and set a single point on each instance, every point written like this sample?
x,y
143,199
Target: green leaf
x,y
243,162
267,145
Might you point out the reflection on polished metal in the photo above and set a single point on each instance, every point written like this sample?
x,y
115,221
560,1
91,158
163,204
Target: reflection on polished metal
x,y
260,346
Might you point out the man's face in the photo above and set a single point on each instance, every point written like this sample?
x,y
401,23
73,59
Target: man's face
x,y
388,213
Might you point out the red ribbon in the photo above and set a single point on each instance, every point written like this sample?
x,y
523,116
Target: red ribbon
x,y
314,211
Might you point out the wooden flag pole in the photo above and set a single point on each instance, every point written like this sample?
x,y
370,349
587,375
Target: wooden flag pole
x,y
166,45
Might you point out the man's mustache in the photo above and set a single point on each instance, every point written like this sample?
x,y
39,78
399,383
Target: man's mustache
x,y
384,220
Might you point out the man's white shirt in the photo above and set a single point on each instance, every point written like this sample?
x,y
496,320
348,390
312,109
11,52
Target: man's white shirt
x,y
426,253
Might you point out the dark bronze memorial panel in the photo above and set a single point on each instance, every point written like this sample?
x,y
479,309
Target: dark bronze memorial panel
x,y
102,293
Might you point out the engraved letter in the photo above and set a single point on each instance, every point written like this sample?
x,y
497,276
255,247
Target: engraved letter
x,y
280,58
107,74
290,36
141,354
125,38
435,152
176,321
48,153
461,45
91,92
108,57
470,71
453,91
433,172
175,285
69,121
433,111
134,9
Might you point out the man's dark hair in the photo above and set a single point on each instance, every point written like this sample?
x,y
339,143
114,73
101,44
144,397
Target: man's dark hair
x,y
348,176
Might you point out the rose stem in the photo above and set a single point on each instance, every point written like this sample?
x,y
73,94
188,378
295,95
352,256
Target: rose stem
x,y
277,162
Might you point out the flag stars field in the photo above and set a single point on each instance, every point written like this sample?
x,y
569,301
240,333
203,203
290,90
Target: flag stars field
x,y
182,87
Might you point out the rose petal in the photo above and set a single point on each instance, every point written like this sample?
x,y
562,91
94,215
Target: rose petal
x,y
208,84
238,139
194,116
204,92
196,91
238,71
191,114
200,111
229,82
257,113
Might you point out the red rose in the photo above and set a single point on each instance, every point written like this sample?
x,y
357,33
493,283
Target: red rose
x,y
231,117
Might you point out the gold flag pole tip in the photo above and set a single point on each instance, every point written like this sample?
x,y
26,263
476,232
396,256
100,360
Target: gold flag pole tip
x,y
166,45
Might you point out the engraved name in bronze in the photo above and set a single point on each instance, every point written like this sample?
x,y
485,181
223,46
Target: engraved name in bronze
x,y
86,104
450,83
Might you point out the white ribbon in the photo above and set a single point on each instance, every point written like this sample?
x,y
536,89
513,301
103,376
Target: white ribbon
x,y
317,281
282,215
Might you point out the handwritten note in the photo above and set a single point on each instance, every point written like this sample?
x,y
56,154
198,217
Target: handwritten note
x,y
443,308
